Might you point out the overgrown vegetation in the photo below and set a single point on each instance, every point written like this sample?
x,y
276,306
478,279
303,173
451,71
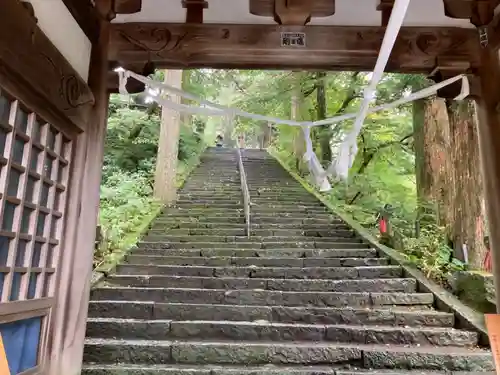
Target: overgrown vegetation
x,y
128,171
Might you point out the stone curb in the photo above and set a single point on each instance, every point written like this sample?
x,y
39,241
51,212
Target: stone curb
x,y
466,317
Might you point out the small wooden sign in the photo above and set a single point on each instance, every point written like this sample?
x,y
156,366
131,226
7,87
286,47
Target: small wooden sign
x,y
293,39
4,364
493,327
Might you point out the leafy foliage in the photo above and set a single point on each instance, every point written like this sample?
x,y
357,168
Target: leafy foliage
x,y
128,171
431,254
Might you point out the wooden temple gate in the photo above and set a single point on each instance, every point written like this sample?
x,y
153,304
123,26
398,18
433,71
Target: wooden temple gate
x,y
56,72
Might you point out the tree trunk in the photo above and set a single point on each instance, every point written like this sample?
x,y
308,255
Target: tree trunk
x,y
432,159
325,132
168,144
186,118
468,216
448,173
299,142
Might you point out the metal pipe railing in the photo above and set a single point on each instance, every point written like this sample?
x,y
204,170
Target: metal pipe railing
x,y
245,191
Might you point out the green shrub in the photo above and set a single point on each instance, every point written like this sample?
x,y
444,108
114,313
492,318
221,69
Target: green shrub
x,y
430,253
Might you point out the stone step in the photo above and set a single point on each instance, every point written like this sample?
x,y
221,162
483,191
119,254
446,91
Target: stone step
x,y
286,210
298,285
187,205
252,245
310,273
208,200
261,262
296,353
249,296
303,314
214,219
261,253
291,226
259,239
175,224
267,331
205,211
158,235
197,214
129,369
231,231
330,219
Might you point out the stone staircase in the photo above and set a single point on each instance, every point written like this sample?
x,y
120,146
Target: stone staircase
x,y
302,296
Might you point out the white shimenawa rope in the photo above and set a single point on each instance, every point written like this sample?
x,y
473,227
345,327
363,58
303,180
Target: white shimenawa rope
x,y
339,167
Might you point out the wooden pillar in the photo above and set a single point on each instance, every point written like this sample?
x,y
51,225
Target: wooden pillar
x,y
69,319
488,113
168,145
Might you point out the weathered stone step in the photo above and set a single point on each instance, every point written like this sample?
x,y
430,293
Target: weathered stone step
x,y
259,239
301,314
208,200
202,206
220,231
128,369
205,211
330,219
264,253
276,210
261,262
285,226
252,245
325,273
249,296
259,330
231,231
303,232
175,224
257,353
209,219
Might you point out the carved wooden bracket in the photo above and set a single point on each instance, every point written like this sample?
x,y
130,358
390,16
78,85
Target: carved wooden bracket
x,y
445,69
318,8
127,6
480,12
194,10
32,64
292,12
385,6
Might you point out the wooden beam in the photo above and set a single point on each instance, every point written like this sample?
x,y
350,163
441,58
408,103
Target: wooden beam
x,y
446,69
259,46
86,16
488,105
385,7
194,10
292,12
127,6
478,11
33,65
319,8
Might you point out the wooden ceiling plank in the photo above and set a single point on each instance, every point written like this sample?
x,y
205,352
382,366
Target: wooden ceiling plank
x,y
259,46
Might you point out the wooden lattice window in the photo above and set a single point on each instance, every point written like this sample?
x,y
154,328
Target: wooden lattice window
x,y
34,172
